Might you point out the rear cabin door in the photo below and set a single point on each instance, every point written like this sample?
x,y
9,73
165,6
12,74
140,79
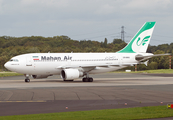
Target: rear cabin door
x,y
120,60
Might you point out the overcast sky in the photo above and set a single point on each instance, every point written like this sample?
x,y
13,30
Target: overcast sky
x,y
86,19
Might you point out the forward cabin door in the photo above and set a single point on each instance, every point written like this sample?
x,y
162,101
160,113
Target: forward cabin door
x,y
28,61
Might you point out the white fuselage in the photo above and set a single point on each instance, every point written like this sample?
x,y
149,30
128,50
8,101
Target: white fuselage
x,y
53,63
74,65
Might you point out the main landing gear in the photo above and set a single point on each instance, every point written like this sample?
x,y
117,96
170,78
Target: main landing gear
x,y
27,78
87,78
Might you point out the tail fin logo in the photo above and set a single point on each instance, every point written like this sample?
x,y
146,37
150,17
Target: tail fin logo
x,y
143,42
139,43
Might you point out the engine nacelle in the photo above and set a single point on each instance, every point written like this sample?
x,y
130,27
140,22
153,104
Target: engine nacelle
x,y
40,76
70,74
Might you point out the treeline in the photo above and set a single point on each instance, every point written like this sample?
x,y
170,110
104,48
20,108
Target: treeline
x,y
12,46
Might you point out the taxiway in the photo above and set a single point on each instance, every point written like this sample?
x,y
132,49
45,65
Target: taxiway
x,y
108,91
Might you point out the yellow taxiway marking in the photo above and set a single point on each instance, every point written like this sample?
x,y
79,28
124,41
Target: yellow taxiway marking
x,y
23,101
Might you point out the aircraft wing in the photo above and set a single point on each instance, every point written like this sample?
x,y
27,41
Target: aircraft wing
x,y
94,66
86,66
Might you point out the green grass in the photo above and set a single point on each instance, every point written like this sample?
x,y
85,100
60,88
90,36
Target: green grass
x,y
159,71
109,114
5,74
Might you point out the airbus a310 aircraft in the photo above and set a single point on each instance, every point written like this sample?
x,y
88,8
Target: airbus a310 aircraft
x,y
75,65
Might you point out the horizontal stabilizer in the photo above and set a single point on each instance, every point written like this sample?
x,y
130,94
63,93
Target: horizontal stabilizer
x,y
142,58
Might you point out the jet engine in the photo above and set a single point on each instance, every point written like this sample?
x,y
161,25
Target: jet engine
x,y
70,74
40,76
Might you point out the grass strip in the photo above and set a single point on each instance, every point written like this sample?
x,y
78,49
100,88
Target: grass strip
x,y
109,114
159,71
5,74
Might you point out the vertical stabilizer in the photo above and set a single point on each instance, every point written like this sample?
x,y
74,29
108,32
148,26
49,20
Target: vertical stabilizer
x,y
139,43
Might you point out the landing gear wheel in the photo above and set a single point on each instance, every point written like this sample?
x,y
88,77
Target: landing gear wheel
x,y
67,80
87,79
27,80
90,79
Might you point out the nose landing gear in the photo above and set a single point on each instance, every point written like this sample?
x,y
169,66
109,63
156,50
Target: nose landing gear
x,y
27,78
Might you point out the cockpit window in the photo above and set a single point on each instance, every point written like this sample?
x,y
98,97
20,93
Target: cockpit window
x,y
14,60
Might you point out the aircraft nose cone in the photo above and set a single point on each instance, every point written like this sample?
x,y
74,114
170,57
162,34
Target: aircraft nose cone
x,y
11,66
7,65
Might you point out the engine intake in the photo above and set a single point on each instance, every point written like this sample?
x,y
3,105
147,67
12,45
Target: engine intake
x,y
70,74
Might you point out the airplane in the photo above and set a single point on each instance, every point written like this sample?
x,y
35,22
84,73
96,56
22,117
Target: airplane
x,y
75,65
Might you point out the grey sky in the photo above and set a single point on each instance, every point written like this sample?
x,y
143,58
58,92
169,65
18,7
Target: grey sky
x,y
86,19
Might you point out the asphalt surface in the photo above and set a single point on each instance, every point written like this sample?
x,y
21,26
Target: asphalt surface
x,y
108,91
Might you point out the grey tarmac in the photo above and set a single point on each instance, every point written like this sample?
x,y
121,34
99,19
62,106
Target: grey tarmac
x,y
108,91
